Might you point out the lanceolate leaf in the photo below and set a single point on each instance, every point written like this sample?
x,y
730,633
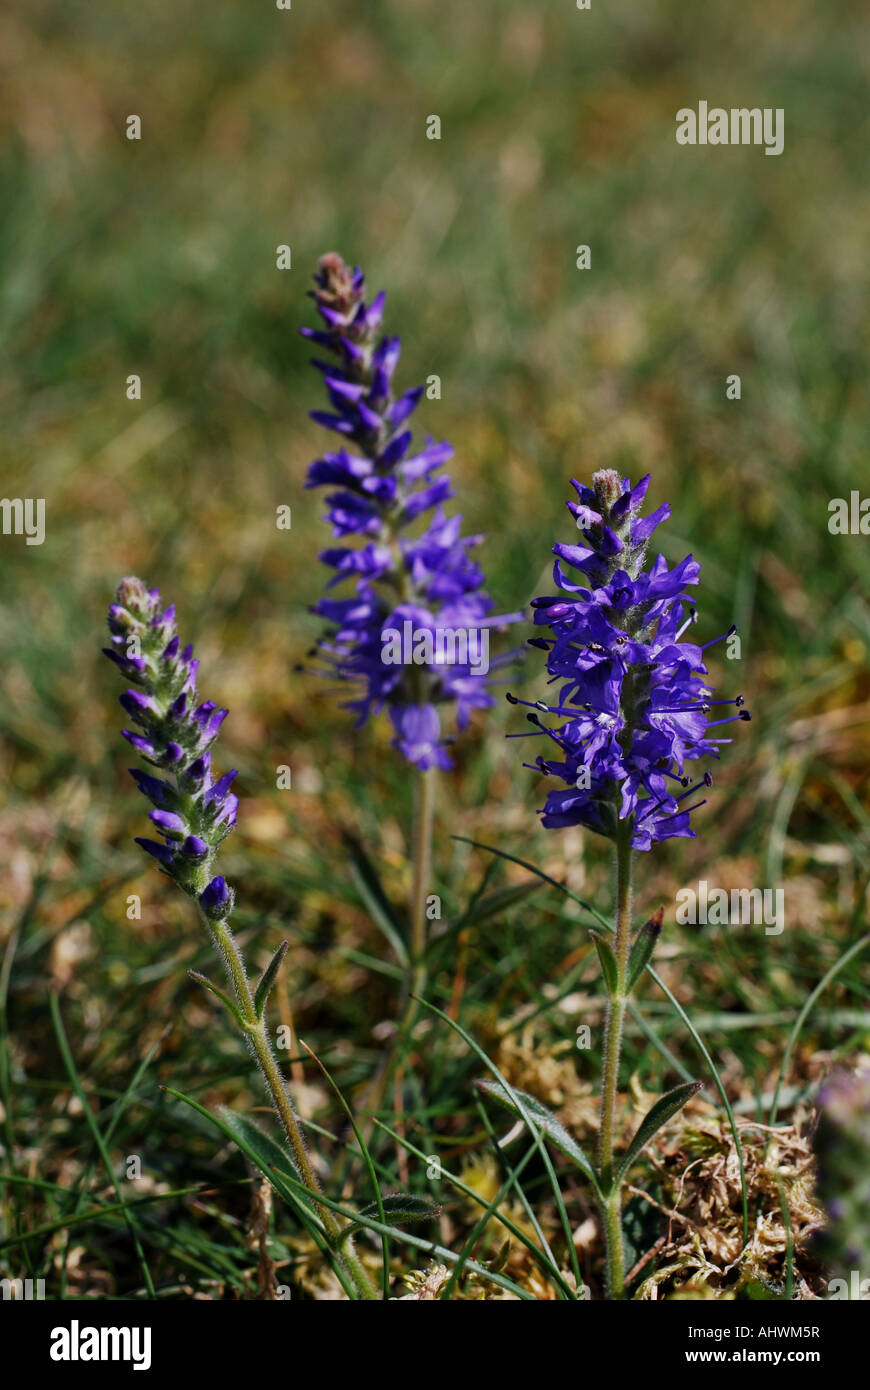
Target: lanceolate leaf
x,y
268,979
399,1207
644,945
550,1126
666,1106
264,1152
607,961
218,994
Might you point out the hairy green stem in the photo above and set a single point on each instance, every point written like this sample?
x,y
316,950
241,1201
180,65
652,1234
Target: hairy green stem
x,y
257,1038
615,1015
424,817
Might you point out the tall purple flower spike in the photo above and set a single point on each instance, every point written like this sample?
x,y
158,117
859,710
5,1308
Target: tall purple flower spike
x,y
173,734
383,488
631,691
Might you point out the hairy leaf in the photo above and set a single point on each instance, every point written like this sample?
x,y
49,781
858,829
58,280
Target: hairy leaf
x,y
546,1121
666,1106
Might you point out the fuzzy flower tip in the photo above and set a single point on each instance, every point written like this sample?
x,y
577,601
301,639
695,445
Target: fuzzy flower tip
x,y
173,734
410,578
631,692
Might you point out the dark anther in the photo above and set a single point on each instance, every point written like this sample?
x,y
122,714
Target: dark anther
x,y
739,701
511,699
533,719
744,714
541,705
708,779
731,631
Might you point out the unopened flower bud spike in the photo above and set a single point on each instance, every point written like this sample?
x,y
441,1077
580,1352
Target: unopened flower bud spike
x,y
194,814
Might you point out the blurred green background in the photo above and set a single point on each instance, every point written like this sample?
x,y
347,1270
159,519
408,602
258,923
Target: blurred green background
x,y
157,257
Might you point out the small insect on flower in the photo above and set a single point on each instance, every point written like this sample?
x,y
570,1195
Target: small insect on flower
x,y
425,584
631,690
173,734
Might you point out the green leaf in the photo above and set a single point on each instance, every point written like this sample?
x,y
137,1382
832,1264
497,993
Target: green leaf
x,y
499,901
378,1203
268,978
678,1009
666,1106
398,1207
607,961
218,994
644,945
533,868
370,889
263,1151
546,1121
273,1162
500,1259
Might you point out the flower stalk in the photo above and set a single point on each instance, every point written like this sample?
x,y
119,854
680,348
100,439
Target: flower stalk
x,y
632,702
424,815
193,814
617,1000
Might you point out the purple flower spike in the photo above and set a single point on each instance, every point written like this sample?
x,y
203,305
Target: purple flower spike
x,y
428,577
192,816
631,692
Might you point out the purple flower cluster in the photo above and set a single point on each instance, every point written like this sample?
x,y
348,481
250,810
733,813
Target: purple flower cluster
x,y
382,488
631,690
192,813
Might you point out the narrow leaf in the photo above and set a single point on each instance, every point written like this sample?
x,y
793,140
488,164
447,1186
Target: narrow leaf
x,y
500,1259
263,1151
398,1207
607,961
268,978
681,1012
644,945
666,1106
494,903
371,891
367,1159
533,868
218,994
551,1127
